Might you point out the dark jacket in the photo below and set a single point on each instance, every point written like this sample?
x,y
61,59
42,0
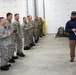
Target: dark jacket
x,y
69,26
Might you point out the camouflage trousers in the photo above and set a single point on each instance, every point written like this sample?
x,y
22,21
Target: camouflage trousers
x,y
26,39
6,53
31,36
40,30
36,33
18,44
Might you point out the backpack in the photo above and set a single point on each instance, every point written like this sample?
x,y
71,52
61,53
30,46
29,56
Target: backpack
x,y
60,32
66,34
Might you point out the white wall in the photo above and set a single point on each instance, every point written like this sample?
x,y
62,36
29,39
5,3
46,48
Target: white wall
x,y
57,12
40,8
13,6
17,6
31,10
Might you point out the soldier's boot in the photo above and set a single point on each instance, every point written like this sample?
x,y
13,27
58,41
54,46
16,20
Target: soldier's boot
x,y
38,38
36,41
43,34
40,35
11,61
8,65
14,57
4,68
30,45
33,44
26,48
21,54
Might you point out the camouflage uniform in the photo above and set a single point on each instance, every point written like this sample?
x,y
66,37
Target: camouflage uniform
x,y
9,27
0,58
31,31
36,30
18,35
41,23
5,45
25,29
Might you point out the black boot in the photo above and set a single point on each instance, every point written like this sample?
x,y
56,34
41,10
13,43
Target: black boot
x,y
11,61
8,65
72,60
4,68
30,45
21,54
41,36
26,48
33,44
36,41
15,57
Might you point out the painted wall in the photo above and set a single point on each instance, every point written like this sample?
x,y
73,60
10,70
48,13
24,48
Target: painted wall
x,y
57,13
40,8
31,9
13,6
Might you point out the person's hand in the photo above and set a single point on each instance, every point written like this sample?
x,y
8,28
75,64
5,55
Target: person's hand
x,y
9,33
74,30
31,26
20,36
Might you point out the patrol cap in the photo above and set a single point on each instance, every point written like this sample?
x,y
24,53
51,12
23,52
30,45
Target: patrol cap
x,y
73,13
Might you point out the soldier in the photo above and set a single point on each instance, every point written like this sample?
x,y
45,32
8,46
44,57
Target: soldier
x,y
18,35
5,43
9,27
41,27
36,30
25,29
31,32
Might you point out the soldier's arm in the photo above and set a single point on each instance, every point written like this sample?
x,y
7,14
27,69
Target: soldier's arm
x,y
33,24
19,31
25,28
9,26
14,28
29,25
3,34
40,24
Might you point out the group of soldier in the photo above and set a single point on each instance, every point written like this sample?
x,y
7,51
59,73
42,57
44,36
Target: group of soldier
x,y
11,35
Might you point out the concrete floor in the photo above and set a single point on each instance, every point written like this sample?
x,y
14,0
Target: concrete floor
x,y
49,57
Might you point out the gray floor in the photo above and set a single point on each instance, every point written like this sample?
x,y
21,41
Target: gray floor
x,y
49,57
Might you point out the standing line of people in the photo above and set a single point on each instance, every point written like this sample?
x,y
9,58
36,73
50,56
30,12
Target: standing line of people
x,y
11,35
